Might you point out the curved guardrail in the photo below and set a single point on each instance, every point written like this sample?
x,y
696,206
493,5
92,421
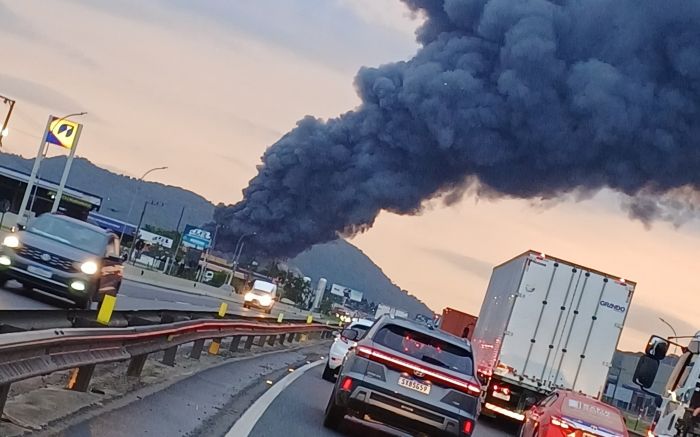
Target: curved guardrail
x,y
33,353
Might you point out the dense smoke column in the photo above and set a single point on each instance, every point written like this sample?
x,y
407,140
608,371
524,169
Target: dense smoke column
x,y
524,99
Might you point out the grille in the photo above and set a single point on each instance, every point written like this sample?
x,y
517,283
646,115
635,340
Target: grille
x,y
57,262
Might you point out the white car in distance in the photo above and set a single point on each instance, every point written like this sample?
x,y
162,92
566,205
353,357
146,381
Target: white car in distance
x,y
340,348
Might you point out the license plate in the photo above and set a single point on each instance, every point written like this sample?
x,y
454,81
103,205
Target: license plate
x,y
39,271
501,396
414,385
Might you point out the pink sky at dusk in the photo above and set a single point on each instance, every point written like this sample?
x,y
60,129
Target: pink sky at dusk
x,y
172,85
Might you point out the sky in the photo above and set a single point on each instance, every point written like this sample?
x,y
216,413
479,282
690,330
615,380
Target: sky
x,y
204,87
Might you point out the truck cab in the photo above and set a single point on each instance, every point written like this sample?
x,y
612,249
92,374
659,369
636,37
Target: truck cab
x,y
681,399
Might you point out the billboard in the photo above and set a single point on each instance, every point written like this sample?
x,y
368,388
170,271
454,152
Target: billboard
x,y
150,237
341,290
196,238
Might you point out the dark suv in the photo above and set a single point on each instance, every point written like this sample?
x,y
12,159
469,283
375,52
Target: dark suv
x,y
63,256
409,377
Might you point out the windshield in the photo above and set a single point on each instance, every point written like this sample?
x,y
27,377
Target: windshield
x,y
426,348
70,233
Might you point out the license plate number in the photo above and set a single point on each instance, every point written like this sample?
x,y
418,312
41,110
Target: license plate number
x,y
414,385
501,396
39,271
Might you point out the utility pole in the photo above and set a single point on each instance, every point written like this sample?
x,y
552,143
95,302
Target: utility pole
x,y
138,228
179,240
3,129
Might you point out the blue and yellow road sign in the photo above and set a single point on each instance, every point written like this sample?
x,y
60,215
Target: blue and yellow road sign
x,y
62,133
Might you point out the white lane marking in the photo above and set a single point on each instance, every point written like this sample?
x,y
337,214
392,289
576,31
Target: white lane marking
x,y
250,418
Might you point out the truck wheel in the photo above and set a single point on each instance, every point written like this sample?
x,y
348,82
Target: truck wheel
x,y
334,414
328,374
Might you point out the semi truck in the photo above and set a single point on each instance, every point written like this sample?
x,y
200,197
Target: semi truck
x,y
458,323
546,324
678,412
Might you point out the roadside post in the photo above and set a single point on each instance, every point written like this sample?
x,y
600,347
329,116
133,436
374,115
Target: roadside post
x,y
216,343
104,315
280,317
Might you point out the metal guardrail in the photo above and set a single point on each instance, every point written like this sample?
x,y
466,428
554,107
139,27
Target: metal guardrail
x,y
28,354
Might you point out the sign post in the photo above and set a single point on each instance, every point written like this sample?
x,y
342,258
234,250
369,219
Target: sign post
x,y
21,219
66,134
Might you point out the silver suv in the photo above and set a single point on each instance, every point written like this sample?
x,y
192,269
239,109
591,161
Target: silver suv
x,y
409,377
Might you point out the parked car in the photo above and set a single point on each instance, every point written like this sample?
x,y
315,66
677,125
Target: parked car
x,y
568,413
409,377
340,348
63,256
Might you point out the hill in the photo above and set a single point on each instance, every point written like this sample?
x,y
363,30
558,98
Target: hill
x,y
339,261
342,263
119,191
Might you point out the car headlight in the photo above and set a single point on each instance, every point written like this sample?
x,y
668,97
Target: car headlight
x,y
88,267
265,300
11,241
248,296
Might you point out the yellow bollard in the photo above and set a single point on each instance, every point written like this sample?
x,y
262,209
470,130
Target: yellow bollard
x,y
106,309
222,310
309,319
214,347
280,318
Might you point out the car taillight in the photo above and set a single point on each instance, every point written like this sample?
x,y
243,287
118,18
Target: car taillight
x,y
559,422
346,385
394,361
468,427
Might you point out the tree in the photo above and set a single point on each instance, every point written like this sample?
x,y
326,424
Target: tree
x,y
295,289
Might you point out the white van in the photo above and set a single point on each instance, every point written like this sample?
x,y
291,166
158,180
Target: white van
x,y
262,296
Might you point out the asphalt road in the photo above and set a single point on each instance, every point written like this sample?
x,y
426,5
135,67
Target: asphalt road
x,y
132,296
298,412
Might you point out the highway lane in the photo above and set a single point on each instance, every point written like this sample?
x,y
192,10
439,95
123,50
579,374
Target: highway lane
x,y
298,411
132,296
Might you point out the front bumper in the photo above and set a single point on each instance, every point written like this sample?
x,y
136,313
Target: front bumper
x,y
58,284
392,410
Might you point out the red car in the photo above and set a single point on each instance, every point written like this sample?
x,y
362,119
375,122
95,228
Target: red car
x,y
568,414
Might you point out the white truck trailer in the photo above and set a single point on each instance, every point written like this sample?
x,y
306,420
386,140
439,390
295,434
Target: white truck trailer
x,y
546,323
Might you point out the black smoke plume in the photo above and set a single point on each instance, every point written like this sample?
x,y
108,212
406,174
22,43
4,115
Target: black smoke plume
x,y
509,98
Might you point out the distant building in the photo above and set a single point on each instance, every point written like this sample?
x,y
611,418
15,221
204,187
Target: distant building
x,y
623,393
13,184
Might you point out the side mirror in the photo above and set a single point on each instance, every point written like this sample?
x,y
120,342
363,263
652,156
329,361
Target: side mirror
x,y
646,370
350,334
657,348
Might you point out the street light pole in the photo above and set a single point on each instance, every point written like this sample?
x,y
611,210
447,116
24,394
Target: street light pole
x,y
133,198
3,129
239,250
675,334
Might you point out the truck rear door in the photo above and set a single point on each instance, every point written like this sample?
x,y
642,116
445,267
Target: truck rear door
x,y
564,327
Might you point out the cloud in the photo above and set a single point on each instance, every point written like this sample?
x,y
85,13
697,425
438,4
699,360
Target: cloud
x,y
39,94
646,319
472,265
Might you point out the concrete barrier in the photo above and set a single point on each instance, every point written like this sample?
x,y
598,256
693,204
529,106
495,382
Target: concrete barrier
x,y
161,280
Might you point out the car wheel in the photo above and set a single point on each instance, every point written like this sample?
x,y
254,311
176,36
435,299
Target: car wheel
x,y
3,281
328,374
334,414
85,304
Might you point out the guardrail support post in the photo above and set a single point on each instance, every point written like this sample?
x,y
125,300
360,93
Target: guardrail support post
x,y
4,391
261,341
197,349
136,365
169,356
235,342
271,340
249,342
82,379
290,337
281,338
